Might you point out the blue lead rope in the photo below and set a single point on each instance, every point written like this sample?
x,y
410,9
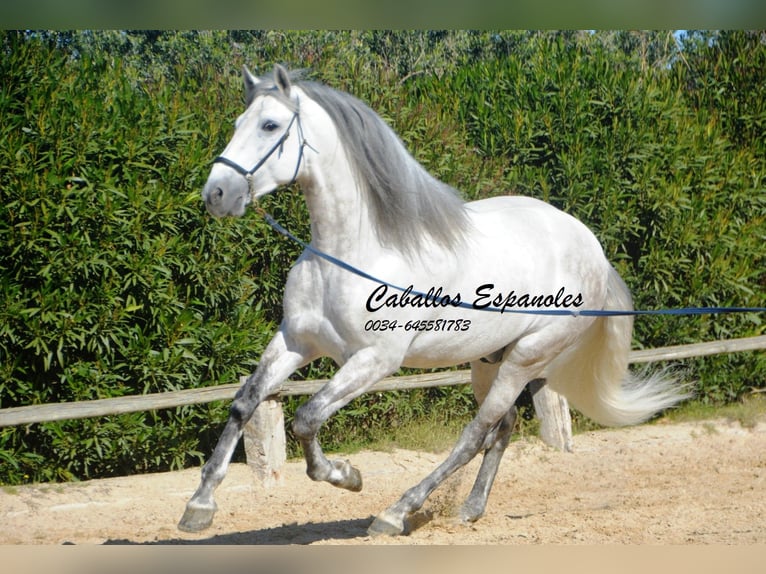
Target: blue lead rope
x,y
561,312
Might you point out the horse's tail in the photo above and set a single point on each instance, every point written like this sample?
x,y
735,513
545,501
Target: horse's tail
x,y
593,375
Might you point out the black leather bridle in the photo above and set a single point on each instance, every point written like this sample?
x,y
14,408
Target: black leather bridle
x,y
248,173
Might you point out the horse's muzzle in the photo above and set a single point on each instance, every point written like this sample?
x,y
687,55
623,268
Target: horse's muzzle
x,y
222,201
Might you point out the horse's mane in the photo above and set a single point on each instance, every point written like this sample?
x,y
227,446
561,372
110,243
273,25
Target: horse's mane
x,y
407,204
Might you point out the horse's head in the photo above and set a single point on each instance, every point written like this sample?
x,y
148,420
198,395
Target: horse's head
x,y
265,151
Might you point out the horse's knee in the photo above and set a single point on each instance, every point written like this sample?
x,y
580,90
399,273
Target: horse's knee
x,y
240,411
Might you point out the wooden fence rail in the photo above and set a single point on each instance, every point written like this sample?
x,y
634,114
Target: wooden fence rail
x,y
264,434
119,405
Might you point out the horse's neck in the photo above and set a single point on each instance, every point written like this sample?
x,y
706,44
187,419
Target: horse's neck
x,y
340,218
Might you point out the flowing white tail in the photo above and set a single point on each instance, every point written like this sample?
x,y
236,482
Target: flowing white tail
x,y
594,374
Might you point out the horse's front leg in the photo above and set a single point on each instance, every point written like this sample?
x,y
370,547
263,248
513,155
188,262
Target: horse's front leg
x,y
362,370
279,360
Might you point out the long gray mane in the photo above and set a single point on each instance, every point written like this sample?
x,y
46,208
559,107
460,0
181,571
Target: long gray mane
x,y
407,203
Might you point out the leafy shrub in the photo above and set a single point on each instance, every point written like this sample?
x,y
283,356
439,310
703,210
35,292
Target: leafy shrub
x,y
114,280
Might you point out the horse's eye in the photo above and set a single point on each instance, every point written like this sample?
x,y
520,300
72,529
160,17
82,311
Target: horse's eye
x,y
269,126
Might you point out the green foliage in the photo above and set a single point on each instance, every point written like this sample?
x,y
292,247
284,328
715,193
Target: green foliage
x,y
115,282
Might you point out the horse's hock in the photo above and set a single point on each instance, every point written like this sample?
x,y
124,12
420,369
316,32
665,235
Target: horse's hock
x,y
265,442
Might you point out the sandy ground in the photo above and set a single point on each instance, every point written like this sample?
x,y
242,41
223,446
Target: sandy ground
x,y
669,484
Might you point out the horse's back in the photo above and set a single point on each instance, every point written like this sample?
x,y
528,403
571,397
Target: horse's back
x,y
517,207
516,221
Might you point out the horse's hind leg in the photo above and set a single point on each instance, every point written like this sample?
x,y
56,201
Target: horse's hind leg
x,y
483,374
277,363
512,374
495,445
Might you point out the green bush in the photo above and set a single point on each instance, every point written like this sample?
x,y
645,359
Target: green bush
x,y
115,282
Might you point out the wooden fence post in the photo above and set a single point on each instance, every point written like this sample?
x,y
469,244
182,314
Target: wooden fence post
x,y
553,411
265,443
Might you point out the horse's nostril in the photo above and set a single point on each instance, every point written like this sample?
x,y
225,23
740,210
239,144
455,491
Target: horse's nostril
x,y
218,193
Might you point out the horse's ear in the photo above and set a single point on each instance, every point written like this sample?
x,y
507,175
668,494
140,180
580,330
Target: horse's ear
x,y
251,83
282,79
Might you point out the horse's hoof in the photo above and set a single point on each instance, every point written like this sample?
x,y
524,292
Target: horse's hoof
x,y
351,478
471,512
382,526
354,480
196,519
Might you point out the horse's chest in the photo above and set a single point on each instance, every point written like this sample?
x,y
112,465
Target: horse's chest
x,y
325,307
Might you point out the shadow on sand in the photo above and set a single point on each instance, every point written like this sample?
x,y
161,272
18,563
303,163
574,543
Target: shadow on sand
x,y
294,533
286,534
